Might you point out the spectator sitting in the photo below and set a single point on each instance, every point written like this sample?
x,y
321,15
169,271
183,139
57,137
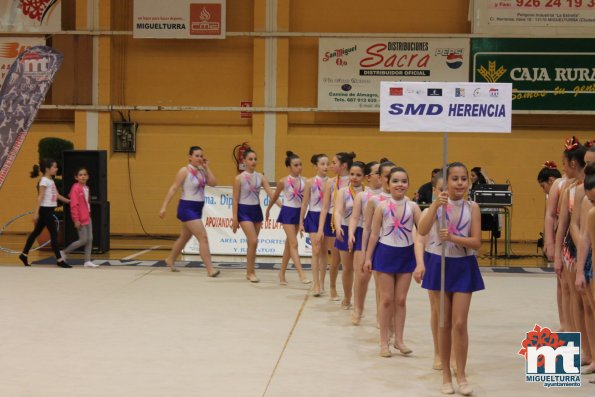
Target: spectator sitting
x,y
424,193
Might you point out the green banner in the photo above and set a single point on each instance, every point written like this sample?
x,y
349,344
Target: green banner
x,y
546,74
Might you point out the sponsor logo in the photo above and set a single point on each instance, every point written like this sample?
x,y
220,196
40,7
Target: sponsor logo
x,y
491,74
346,87
434,91
494,92
552,358
396,91
205,19
459,92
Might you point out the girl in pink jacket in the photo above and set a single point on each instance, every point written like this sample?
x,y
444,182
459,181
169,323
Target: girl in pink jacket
x,y
80,211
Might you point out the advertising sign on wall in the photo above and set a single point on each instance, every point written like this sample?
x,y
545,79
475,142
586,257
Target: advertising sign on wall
x,y
445,107
11,47
44,16
534,17
217,218
350,69
547,74
179,19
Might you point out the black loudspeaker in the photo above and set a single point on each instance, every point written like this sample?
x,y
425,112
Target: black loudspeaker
x,y
95,161
101,227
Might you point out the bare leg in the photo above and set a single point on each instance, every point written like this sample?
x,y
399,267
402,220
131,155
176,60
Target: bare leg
x,y
434,318
566,307
589,325
445,337
460,314
315,265
324,254
178,246
386,285
347,278
292,231
402,283
334,273
197,228
362,280
561,313
284,263
251,231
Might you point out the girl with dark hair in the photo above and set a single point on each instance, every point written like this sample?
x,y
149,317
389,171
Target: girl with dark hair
x,y
292,186
247,212
478,177
584,264
80,212
192,179
43,216
341,217
340,165
390,253
551,181
567,234
548,175
313,198
462,239
374,188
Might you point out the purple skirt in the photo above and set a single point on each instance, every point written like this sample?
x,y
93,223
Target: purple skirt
x,y
462,274
393,260
190,210
289,216
344,245
311,222
250,213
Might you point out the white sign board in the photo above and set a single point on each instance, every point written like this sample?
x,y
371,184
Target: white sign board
x,y
350,69
445,107
534,17
179,19
217,218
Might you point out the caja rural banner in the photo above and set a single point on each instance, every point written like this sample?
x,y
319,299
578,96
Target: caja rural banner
x,y
553,75
44,16
534,17
217,218
11,47
179,19
350,69
24,89
445,107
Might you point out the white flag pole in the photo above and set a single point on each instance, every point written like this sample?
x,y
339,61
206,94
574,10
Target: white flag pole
x,y
442,226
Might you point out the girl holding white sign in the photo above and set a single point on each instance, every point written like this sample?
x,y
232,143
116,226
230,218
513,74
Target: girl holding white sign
x,y
192,179
313,198
340,165
292,187
342,216
247,212
391,254
462,238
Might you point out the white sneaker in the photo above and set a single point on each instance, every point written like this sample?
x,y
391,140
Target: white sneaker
x,y
63,255
90,264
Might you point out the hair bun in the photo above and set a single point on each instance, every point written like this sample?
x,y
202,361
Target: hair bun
x,y
571,143
289,153
351,154
589,144
550,164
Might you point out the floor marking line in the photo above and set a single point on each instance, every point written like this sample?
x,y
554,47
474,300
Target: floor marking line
x,y
297,319
140,253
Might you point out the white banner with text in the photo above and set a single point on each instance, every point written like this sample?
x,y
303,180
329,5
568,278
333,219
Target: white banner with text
x,y
217,218
445,107
179,19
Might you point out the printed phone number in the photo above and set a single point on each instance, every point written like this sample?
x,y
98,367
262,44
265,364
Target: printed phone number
x,y
551,4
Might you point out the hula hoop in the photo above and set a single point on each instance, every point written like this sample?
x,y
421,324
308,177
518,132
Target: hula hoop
x,y
8,250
